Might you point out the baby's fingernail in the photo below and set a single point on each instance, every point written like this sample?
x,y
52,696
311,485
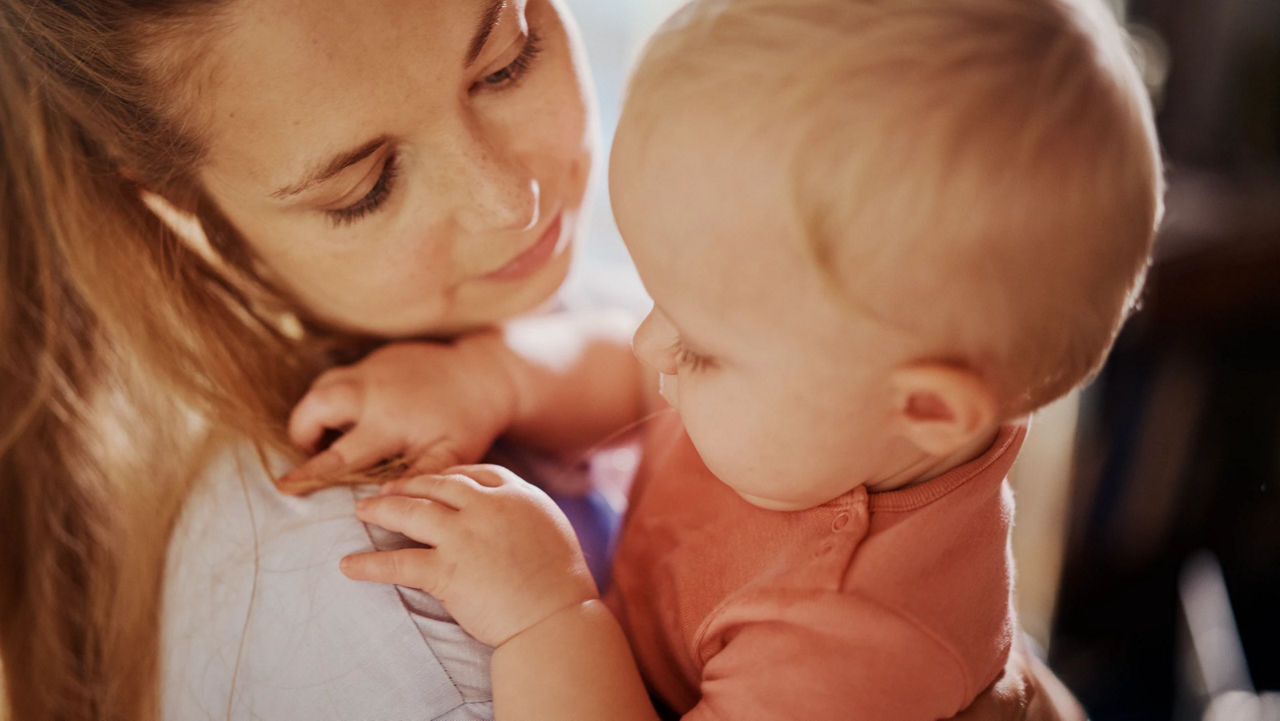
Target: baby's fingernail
x,y
362,504
345,564
326,463
387,488
294,486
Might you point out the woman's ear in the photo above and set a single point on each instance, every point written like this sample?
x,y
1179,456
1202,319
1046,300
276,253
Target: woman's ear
x,y
942,408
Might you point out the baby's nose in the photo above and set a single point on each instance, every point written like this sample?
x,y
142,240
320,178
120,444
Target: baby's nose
x,y
668,388
655,344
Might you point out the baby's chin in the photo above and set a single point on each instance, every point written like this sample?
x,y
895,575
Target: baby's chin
x,y
789,498
774,504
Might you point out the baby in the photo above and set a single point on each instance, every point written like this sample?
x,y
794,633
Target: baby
x,y
877,234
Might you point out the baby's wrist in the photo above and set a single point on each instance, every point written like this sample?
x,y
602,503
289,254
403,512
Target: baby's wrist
x,y
571,614
489,350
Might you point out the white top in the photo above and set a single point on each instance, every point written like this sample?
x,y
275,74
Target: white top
x,y
258,623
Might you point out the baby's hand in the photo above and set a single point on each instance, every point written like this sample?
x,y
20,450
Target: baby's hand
x,y
502,558
435,404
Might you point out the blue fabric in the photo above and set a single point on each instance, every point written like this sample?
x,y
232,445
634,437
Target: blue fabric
x,y
596,524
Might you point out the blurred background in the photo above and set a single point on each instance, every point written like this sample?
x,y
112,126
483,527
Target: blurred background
x,y
1170,583
1148,526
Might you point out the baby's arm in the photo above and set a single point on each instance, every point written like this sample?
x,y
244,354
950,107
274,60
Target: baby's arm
x,y
578,382
560,383
503,561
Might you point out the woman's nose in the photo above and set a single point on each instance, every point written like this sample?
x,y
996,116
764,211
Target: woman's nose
x,y
495,191
655,343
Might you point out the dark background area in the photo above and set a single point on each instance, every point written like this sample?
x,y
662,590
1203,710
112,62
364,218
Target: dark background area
x,y
1178,446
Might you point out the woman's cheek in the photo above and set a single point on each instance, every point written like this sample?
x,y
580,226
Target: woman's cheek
x,y
569,107
569,147
396,289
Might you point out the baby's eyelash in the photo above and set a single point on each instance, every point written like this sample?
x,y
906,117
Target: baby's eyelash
x,y
692,360
372,200
516,70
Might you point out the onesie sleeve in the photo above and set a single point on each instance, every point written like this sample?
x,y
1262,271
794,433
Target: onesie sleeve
x,y
825,656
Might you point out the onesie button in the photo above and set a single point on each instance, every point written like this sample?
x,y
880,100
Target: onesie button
x,y
841,520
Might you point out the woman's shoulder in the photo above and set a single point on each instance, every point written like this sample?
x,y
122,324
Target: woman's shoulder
x,y
258,622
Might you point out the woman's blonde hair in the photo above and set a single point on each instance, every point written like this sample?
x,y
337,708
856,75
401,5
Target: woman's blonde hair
x,y
122,351
982,173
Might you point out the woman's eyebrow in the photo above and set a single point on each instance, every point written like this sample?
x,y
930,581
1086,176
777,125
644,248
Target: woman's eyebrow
x,y
488,21
330,168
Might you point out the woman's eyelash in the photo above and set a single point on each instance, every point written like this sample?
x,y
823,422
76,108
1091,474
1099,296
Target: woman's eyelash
x,y
377,195
512,73
372,200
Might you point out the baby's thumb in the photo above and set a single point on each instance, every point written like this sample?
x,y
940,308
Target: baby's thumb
x,y
355,451
335,406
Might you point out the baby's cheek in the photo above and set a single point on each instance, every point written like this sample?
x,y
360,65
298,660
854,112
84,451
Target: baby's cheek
x,y
724,443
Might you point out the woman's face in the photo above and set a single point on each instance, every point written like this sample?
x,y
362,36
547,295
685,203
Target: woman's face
x,y
402,167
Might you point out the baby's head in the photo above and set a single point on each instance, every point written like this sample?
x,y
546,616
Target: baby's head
x,y
944,208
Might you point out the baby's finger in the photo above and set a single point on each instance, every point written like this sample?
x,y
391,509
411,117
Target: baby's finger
x,y
299,486
337,374
355,451
419,568
423,520
335,405
364,446
455,491
487,474
437,458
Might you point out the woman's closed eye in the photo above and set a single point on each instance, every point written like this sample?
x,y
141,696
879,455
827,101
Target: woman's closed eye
x,y
513,72
508,77
371,200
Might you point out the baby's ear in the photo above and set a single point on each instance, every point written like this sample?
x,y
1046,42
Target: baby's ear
x,y
942,408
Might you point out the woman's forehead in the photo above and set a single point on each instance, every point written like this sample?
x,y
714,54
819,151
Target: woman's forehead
x,y
297,79
327,30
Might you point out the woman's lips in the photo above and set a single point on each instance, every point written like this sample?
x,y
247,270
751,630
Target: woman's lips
x,y
532,258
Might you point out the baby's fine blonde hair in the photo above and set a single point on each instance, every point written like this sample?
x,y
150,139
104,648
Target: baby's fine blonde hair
x,y
983,174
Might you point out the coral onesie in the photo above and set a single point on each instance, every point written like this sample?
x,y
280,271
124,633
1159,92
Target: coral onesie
x,y
891,606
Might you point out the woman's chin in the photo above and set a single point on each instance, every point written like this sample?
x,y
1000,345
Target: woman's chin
x,y
482,303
